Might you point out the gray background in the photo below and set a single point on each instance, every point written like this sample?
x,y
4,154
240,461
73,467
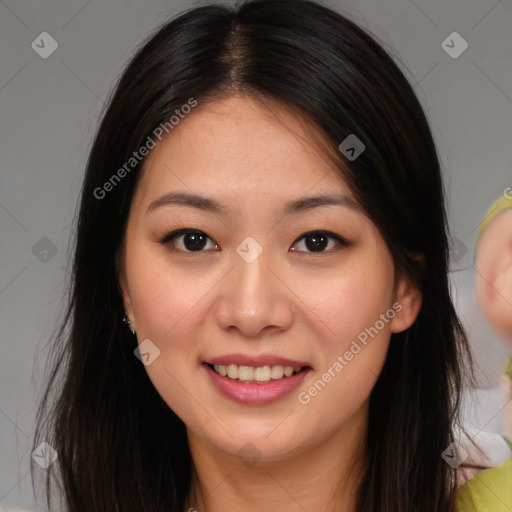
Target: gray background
x,y
49,112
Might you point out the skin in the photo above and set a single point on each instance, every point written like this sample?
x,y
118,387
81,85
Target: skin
x,y
493,283
299,304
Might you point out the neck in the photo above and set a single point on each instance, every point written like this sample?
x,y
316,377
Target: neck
x,y
325,476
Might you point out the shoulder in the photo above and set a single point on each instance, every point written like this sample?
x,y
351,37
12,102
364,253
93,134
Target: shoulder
x,y
488,491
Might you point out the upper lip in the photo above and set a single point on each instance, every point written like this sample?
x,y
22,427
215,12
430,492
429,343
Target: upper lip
x,y
255,361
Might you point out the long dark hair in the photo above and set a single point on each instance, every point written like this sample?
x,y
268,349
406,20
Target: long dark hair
x,y
120,447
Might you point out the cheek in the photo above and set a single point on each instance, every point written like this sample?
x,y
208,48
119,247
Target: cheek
x,y
165,302
353,299
357,308
163,296
355,348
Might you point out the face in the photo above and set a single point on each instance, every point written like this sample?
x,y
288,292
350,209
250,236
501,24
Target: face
x,y
258,280
493,284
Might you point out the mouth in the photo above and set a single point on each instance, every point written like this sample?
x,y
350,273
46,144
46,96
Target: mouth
x,y
257,374
267,381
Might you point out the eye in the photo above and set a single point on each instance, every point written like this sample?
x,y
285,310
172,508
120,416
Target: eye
x,y
317,241
192,240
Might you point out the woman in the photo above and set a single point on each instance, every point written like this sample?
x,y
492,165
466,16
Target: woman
x,y
263,205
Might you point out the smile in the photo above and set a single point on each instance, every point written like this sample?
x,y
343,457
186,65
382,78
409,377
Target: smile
x,y
259,374
256,381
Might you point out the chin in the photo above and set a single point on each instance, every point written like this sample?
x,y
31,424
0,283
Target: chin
x,y
258,444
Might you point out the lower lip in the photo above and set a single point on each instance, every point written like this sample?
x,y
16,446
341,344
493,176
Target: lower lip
x,y
256,394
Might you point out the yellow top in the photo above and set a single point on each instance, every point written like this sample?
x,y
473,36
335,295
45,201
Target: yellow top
x,y
488,491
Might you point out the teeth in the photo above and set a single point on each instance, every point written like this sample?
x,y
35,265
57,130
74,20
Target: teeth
x,y
262,374
233,371
288,371
277,372
259,374
245,373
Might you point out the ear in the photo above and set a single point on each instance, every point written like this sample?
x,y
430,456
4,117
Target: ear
x,y
408,299
493,283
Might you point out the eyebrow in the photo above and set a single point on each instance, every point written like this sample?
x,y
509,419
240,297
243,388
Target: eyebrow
x,y
292,207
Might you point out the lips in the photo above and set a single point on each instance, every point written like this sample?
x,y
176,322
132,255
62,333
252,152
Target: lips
x,y
255,380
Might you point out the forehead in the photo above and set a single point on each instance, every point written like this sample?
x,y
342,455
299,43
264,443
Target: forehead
x,y
238,146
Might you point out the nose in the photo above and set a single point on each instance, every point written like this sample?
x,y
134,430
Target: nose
x,y
254,298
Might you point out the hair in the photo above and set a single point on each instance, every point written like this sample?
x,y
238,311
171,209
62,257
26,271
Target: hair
x,y
120,447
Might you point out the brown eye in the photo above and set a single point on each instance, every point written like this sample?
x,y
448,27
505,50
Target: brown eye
x,y
318,241
191,240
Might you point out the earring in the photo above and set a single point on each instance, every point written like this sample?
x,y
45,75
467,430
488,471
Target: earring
x,y
129,322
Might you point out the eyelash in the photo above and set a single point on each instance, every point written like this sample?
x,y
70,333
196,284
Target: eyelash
x,y
174,234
